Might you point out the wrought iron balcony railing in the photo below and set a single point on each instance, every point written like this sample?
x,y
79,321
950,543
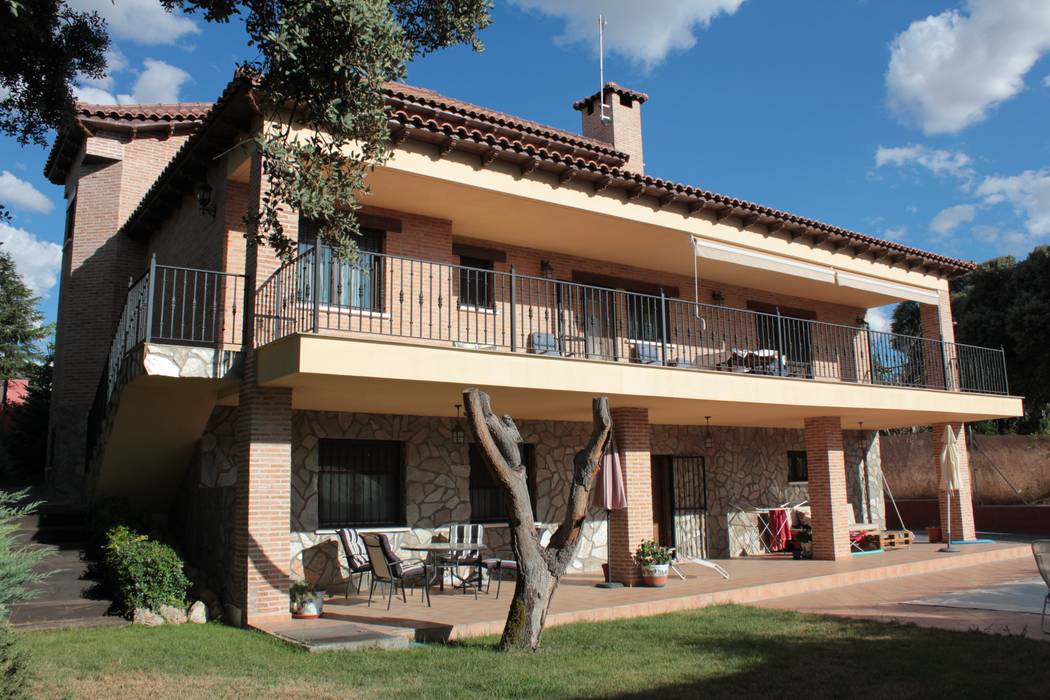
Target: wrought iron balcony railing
x,y
440,303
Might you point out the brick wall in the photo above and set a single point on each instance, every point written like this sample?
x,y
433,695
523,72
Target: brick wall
x,y
623,131
632,525
827,487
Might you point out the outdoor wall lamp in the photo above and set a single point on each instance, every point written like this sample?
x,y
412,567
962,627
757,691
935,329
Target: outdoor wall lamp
x,y
459,436
204,200
546,269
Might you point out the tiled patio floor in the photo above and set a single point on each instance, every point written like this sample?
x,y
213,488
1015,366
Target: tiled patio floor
x,y
454,615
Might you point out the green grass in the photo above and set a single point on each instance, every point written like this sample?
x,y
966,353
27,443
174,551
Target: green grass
x,y
720,651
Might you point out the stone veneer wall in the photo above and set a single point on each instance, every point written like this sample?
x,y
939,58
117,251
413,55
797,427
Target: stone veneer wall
x,y
746,466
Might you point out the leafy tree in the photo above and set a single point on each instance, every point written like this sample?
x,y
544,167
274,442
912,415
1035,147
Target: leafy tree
x,y
322,63
21,324
906,325
26,434
44,45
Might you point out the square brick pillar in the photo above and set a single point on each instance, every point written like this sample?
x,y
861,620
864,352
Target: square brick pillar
x,y
632,525
827,488
262,520
962,499
941,364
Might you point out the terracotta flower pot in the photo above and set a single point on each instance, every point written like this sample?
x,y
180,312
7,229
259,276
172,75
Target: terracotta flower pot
x,y
934,533
655,575
310,607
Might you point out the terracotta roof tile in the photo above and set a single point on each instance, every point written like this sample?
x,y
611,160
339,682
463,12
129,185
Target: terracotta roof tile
x,y
180,111
639,97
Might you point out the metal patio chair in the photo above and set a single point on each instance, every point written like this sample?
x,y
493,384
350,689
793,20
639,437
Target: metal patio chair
x,y
356,556
464,534
393,571
1041,551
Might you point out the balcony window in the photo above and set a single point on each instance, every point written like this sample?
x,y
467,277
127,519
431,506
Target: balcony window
x,y
353,285
360,483
476,283
487,501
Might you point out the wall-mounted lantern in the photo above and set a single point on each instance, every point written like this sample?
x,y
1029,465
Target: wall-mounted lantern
x,y
204,200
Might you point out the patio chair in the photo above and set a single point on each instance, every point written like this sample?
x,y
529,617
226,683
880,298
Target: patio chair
x,y
496,566
543,344
392,570
463,534
356,556
1041,550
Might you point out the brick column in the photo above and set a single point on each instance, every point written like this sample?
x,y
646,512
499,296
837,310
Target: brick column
x,y
937,324
962,499
827,488
630,526
263,507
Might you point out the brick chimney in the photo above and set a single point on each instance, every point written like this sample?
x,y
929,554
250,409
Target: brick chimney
x,y
622,128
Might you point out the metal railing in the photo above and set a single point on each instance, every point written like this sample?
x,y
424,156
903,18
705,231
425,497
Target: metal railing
x,y
177,306
441,303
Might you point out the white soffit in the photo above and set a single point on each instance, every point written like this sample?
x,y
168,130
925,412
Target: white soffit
x,y
818,273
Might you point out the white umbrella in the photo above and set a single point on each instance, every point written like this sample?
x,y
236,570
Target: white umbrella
x,y
950,473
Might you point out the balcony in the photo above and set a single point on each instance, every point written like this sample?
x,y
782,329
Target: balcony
x,y
440,304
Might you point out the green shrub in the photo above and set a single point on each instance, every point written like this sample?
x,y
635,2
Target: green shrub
x,y
144,573
15,673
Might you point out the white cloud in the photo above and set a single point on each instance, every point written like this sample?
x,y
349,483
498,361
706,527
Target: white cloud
x,y
936,160
37,261
22,195
948,70
880,319
140,21
1046,81
115,63
986,234
636,30
894,233
157,82
947,220
1028,193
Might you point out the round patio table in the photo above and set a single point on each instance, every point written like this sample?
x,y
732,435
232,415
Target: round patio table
x,y
434,550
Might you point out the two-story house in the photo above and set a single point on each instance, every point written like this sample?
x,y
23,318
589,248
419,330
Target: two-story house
x,y
261,403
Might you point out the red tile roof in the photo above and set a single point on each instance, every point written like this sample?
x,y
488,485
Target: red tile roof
x,y
639,97
176,112
451,124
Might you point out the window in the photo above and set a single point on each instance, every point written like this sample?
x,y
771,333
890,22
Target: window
x,y
798,467
360,483
790,335
487,504
475,282
356,285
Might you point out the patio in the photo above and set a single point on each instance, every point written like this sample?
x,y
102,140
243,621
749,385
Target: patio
x,y
350,623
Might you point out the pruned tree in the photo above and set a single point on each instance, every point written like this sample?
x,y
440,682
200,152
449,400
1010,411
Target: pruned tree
x,y
539,568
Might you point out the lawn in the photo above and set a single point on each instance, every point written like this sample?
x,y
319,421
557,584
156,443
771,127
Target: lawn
x,y
720,651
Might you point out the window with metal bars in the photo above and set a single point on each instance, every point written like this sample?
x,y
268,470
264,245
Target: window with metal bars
x,y
476,283
487,502
360,483
354,285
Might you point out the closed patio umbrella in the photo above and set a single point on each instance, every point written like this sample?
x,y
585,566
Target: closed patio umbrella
x,y
611,494
950,473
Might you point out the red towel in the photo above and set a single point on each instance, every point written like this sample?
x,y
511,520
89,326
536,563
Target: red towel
x,y
779,532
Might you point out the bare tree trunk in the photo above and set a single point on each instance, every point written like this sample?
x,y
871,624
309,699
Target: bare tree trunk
x,y
539,569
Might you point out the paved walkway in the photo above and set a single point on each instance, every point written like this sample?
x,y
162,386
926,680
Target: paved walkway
x,y
958,599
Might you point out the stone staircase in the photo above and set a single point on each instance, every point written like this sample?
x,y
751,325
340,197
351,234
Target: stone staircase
x,y
68,597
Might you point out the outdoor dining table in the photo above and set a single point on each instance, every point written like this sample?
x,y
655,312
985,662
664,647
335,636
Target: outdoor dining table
x,y
433,552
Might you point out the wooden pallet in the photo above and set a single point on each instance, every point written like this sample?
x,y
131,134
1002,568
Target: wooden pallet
x,y
893,539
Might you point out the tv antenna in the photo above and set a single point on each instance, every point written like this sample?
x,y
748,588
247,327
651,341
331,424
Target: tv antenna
x,y
601,68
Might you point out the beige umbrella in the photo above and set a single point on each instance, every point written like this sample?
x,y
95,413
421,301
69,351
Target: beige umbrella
x,y
950,473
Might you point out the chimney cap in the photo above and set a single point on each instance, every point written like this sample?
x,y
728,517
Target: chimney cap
x,y
639,97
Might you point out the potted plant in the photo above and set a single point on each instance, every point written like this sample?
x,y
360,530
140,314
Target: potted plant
x,y
307,600
654,560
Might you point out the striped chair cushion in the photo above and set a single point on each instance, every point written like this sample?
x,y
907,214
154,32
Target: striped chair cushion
x,y
354,549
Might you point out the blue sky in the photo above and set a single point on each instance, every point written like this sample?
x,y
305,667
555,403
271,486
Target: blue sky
x,y
921,121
